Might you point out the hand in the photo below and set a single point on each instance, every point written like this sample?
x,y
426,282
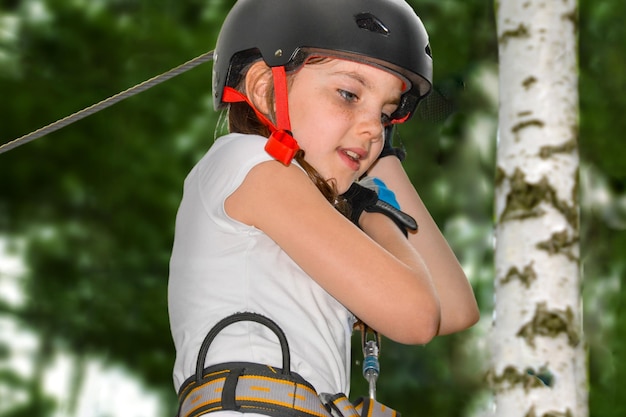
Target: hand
x,y
373,196
388,148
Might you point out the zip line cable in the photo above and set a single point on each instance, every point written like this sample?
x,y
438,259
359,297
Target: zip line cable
x,y
81,114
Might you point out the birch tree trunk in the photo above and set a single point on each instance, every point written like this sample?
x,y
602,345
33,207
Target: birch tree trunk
x,y
538,358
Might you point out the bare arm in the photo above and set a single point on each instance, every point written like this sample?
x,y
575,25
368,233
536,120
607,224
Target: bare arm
x,y
381,279
457,302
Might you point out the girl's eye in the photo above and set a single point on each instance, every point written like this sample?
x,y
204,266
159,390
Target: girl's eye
x,y
348,96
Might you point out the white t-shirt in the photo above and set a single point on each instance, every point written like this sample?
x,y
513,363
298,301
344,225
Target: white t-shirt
x,y
220,266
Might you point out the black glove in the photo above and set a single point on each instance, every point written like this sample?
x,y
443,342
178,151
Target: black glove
x,y
388,148
373,196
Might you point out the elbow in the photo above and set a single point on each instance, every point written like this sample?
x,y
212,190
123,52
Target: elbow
x,y
460,319
473,317
420,326
470,317
421,336
423,333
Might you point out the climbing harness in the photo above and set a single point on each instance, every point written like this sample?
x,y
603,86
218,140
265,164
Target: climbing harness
x,y
248,387
88,111
254,388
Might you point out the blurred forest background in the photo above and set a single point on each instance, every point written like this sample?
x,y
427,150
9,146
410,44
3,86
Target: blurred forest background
x,y
87,213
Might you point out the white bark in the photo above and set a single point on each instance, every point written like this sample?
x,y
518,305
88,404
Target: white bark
x,y
538,358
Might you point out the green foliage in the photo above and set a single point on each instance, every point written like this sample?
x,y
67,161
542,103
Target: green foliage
x,y
95,202
603,242
601,58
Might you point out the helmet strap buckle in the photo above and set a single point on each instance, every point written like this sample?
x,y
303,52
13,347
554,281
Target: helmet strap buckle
x,y
281,144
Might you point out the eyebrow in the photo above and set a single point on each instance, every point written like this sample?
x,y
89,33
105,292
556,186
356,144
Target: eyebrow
x,y
354,75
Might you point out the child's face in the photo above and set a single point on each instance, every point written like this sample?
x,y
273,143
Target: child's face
x,y
337,111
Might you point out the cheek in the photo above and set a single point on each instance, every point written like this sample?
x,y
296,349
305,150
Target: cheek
x,y
317,112
310,128
303,117
377,149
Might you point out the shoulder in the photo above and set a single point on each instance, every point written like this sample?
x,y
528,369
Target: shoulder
x,y
236,153
271,190
236,147
228,162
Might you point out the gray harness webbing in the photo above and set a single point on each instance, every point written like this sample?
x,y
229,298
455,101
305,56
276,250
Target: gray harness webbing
x,y
255,388
250,387
340,406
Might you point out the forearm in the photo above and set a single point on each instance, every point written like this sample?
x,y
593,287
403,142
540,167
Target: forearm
x,y
457,301
385,233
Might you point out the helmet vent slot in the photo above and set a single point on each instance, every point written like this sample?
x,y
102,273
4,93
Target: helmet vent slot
x,y
371,23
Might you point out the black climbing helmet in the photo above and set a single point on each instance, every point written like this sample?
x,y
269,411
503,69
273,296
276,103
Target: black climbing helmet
x,y
384,33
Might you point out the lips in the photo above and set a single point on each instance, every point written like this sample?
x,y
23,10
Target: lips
x,y
352,157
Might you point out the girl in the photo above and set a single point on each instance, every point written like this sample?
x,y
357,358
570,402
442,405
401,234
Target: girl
x,y
316,81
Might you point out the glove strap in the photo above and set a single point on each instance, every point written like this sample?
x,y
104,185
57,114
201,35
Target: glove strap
x,y
362,199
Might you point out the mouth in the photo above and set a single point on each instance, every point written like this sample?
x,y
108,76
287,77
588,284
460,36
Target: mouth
x,y
352,155
353,158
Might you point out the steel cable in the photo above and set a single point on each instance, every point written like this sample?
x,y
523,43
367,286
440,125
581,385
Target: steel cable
x,y
81,114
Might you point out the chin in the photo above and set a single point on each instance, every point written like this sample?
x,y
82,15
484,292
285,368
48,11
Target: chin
x,y
341,190
343,187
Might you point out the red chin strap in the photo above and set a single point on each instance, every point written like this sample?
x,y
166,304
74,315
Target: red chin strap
x,y
281,145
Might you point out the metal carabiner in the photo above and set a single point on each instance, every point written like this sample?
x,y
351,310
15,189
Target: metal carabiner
x,y
370,342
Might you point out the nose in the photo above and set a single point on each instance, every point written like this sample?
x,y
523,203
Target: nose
x,y
370,125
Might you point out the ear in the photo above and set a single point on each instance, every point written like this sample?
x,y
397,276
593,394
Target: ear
x,y
258,82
